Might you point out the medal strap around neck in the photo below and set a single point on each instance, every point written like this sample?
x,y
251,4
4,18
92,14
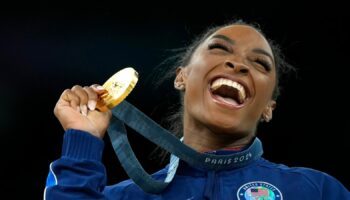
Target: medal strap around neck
x,y
135,119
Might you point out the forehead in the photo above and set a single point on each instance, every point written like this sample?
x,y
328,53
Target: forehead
x,y
244,35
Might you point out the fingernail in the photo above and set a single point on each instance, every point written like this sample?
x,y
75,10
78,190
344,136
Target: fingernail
x,y
100,88
91,105
83,109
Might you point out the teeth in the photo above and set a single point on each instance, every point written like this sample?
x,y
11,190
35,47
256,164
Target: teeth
x,y
222,81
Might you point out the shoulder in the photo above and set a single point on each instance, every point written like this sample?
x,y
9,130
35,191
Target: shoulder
x,y
308,173
321,181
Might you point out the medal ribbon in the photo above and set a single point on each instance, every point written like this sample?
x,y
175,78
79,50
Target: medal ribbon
x,y
125,113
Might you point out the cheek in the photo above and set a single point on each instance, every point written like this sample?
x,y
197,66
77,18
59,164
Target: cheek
x,y
196,87
265,88
194,94
196,82
201,64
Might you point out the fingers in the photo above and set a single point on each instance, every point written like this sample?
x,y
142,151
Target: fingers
x,y
70,98
83,99
92,97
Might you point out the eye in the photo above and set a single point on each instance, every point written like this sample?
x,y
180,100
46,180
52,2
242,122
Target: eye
x,y
217,45
263,63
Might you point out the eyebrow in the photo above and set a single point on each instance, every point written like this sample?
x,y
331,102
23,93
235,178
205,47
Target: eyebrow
x,y
227,39
262,51
256,50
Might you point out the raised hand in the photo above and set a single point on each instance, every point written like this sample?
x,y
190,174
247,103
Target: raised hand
x,y
76,109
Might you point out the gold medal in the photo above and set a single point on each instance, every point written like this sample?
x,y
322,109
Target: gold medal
x,y
118,88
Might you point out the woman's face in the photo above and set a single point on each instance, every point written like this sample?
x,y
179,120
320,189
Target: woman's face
x,y
229,82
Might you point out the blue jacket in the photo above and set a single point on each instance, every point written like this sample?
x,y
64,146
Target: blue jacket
x,y
79,174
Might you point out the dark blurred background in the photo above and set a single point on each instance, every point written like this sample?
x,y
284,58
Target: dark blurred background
x,y
47,47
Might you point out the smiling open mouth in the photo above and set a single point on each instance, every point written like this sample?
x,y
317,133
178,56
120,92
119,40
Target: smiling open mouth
x,y
228,91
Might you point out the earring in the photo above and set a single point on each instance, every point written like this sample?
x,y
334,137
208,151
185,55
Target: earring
x,y
179,86
265,118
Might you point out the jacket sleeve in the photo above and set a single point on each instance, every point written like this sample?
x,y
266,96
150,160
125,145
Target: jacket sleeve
x,y
79,173
328,186
333,189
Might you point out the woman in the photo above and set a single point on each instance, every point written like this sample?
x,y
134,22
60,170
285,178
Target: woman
x,y
229,83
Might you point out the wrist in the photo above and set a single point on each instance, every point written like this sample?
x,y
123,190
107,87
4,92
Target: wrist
x,y
79,144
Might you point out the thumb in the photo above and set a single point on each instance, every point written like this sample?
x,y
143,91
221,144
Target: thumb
x,y
99,89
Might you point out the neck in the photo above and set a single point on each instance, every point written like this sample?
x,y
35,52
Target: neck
x,y
203,139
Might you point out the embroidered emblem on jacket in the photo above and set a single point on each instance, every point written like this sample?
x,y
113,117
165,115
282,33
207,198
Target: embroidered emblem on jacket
x,y
259,190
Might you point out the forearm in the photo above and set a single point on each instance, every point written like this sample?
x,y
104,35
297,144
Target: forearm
x,y
79,173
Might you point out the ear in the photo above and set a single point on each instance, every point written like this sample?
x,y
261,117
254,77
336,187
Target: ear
x,y
267,113
180,80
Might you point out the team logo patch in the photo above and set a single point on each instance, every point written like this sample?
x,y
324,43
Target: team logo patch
x,y
259,190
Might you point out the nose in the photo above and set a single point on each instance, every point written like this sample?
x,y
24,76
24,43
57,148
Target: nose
x,y
237,67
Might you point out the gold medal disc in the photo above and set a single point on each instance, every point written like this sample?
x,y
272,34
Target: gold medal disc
x,y
118,88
